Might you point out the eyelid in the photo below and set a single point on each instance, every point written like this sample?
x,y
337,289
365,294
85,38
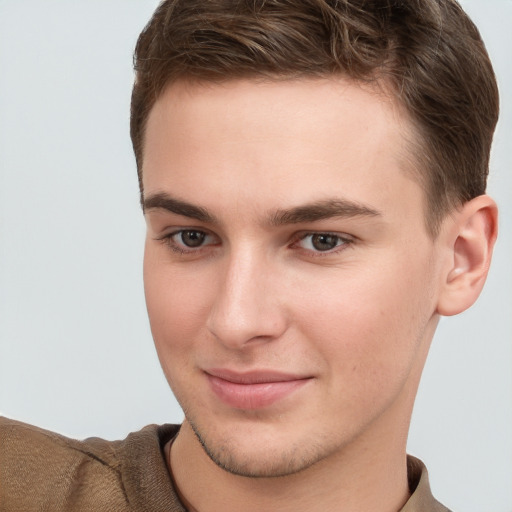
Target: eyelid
x,y
346,241
168,240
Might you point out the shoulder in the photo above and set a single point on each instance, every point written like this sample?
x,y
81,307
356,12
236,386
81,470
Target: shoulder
x,y
30,443
42,470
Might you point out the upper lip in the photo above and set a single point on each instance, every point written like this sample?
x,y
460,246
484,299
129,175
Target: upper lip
x,y
253,376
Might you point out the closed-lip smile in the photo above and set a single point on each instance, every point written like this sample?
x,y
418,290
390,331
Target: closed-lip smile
x,y
253,389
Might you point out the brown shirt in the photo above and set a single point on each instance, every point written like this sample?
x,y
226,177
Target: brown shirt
x,y
43,471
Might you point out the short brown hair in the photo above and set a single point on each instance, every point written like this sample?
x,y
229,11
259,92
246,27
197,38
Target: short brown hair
x,y
429,51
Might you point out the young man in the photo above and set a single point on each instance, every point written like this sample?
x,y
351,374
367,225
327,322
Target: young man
x,y
313,177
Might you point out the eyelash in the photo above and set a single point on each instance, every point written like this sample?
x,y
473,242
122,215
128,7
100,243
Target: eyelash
x,y
168,241
344,241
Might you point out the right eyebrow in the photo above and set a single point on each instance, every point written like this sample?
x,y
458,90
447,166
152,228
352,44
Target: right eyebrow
x,y
164,201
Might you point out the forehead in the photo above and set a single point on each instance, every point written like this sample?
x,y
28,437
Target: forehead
x,y
284,142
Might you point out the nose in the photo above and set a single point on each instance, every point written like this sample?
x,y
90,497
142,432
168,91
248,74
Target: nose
x,y
247,307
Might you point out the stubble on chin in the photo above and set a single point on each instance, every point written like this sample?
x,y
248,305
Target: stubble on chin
x,y
268,463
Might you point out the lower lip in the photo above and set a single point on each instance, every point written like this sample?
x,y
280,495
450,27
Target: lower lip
x,y
253,396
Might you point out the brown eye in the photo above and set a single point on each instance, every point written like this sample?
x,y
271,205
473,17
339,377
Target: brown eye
x,y
190,241
192,238
325,241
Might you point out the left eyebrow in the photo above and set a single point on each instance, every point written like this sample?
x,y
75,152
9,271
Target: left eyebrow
x,y
320,210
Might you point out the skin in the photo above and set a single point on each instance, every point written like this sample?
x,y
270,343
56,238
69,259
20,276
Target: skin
x,y
346,301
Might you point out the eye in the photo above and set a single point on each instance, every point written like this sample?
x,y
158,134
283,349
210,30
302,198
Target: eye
x,y
186,241
322,242
190,238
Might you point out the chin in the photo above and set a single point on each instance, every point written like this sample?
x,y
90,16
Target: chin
x,y
259,456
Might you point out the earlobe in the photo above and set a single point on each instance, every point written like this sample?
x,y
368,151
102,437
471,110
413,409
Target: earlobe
x,y
470,243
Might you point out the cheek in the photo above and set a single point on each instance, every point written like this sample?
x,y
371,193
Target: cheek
x,y
369,326
177,303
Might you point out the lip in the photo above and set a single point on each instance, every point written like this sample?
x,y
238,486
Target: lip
x,y
254,389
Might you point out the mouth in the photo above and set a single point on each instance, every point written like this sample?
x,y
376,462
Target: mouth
x,y
255,389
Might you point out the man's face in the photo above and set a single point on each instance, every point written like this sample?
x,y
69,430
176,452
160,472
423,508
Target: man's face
x,y
290,280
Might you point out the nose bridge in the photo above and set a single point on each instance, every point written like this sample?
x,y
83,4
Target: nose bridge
x,y
246,307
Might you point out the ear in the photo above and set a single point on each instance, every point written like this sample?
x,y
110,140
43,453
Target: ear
x,y
469,241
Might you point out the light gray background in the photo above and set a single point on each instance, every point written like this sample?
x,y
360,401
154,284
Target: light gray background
x,y
76,353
